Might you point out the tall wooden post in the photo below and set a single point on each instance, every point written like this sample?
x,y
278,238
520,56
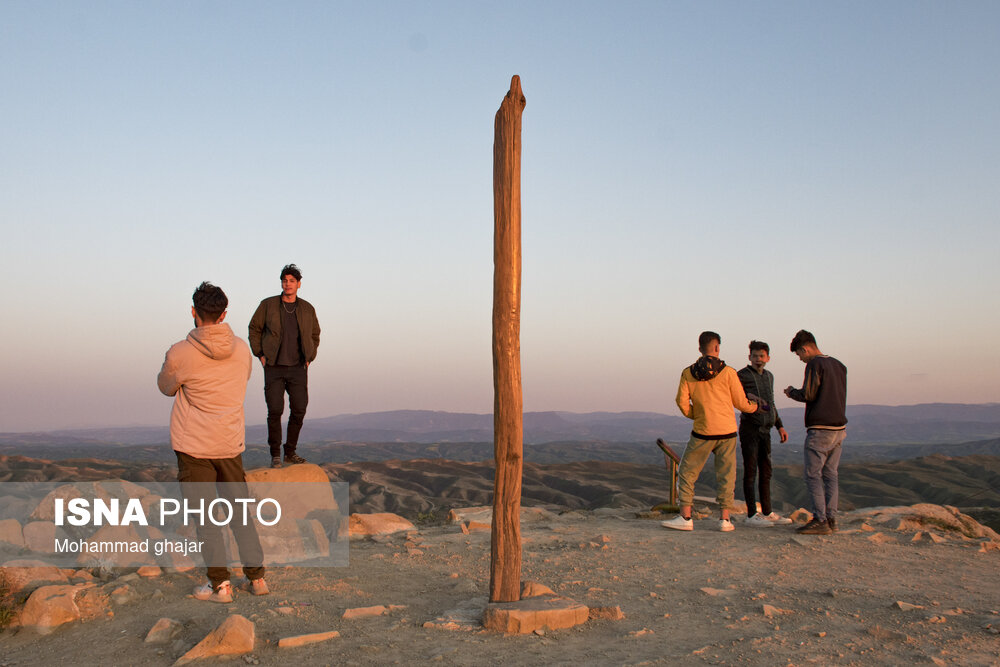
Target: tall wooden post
x,y
505,561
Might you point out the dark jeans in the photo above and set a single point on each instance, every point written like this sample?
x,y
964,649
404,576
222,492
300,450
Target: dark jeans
x,y
279,380
234,485
755,444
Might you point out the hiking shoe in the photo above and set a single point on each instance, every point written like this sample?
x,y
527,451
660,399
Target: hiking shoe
x,y
222,593
294,458
725,525
758,521
678,523
832,523
815,527
256,586
777,519
275,461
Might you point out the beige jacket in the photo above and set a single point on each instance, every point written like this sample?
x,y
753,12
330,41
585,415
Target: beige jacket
x,y
207,373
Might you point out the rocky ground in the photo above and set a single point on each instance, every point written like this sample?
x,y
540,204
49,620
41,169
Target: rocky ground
x,y
893,586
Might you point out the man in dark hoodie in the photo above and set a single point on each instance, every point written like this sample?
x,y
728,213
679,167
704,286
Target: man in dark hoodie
x,y
824,391
708,392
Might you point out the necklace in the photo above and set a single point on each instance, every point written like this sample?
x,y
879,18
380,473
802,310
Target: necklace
x,y
294,306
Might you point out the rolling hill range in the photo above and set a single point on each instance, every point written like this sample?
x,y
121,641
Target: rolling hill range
x,y
873,431
432,486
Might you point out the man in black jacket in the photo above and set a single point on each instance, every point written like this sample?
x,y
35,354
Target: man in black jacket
x,y
755,436
824,391
284,335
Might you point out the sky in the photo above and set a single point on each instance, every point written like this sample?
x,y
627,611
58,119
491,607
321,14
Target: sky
x,y
747,168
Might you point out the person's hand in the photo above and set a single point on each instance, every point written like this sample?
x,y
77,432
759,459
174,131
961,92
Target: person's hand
x,y
263,361
753,398
783,434
788,391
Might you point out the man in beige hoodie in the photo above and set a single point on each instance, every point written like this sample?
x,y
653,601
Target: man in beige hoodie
x,y
207,374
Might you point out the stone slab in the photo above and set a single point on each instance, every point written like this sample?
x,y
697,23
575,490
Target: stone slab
x,y
538,613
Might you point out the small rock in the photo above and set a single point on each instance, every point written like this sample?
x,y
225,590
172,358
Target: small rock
x,y
937,619
163,631
531,589
607,613
717,592
302,640
905,606
149,571
364,612
821,634
234,636
640,633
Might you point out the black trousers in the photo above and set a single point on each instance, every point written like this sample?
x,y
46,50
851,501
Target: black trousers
x,y
279,380
755,444
208,479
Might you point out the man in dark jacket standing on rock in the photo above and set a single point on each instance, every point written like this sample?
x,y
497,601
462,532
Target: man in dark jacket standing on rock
x,y
824,391
284,335
755,437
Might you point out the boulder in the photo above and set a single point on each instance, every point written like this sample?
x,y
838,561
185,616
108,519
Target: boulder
x,y
49,607
41,536
27,575
383,523
299,489
234,636
11,533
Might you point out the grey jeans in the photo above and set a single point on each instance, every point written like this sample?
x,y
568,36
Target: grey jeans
x,y
822,457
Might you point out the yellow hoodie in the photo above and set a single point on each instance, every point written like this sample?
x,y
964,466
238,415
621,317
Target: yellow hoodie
x,y
710,402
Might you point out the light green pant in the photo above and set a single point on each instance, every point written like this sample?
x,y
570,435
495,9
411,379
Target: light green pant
x,y
694,459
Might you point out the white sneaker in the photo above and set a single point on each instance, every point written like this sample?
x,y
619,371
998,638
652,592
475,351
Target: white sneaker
x,y
777,519
223,594
678,523
725,525
758,520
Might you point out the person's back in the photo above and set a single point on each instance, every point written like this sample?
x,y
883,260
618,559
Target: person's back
x,y
208,372
825,392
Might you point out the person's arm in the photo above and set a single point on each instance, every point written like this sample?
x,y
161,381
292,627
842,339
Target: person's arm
x,y
256,330
684,399
167,380
739,397
810,386
782,433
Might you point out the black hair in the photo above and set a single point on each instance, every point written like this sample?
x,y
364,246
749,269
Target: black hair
x,y
707,337
209,302
801,338
292,270
759,345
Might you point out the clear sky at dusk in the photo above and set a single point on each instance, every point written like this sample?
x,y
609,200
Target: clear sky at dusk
x,y
750,168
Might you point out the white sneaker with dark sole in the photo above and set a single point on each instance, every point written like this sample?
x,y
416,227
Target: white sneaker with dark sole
x,y
223,594
678,523
777,519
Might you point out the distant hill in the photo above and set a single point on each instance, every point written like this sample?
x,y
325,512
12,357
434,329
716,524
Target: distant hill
x,y
933,423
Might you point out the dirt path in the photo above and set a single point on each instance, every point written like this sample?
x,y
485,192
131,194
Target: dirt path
x,y
833,599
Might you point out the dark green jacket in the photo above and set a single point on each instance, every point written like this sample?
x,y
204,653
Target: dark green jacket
x,y
265,329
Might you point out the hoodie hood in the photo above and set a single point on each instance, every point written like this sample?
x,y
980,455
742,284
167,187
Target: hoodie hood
x,y
215,341
707,368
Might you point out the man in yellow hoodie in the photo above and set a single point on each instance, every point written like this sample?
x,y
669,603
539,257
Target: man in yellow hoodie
x,y
708,392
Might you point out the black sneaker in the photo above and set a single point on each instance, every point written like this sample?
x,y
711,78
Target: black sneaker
x,y
294,458
275,461
832,523
815,527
